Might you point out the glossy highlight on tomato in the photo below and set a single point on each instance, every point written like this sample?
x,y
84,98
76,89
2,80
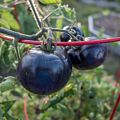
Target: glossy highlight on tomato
x,y
64,37
76,31
44,73
88,56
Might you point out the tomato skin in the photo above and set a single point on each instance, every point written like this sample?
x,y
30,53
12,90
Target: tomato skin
x,y
44,73
88,56
78,31
64,37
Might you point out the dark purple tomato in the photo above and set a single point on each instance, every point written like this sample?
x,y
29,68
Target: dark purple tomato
x,y
88,57
64,37
44,73
76,31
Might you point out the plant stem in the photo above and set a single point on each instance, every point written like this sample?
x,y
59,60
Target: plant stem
x,y
35,13
61,30
46,17
6,7
19,35
15,42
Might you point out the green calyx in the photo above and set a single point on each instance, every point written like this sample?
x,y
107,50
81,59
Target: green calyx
x,y
49,47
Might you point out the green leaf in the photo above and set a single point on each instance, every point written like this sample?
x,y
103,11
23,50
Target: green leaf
x,y
2,7
1,1
16,93
68,13
1,113
46,2
8,1
58,98
6,106
26,21
8,17
67,110
3,23
59,24
2,48
9,117
8,84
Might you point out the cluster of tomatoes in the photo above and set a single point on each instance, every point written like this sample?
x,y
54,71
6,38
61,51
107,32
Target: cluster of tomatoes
x,y
44,72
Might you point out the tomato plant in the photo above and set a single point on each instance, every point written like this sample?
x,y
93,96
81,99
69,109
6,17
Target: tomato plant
x,y
86,96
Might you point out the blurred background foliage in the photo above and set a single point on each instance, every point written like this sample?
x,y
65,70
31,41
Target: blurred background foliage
x,y
89,95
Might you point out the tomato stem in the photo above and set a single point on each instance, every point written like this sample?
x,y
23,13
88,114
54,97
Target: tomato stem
x,y
61,30
35,13
19,35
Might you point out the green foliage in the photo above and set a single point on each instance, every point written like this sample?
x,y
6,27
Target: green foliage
x,y
114,1
6,106
89,95
83,10
26,21
50,1
8,83
7,20
1,113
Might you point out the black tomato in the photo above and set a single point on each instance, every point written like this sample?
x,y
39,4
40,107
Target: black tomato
x,y
64,37
88,56
76,31
44,73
